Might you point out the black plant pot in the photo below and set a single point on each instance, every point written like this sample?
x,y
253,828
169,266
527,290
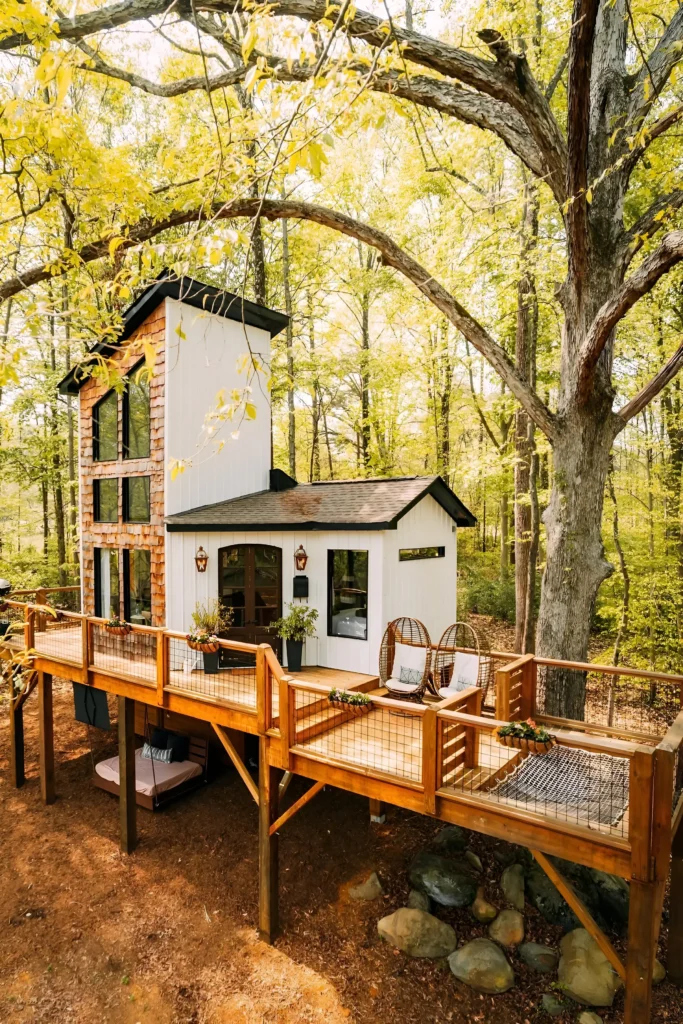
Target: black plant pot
x,y
211,662
294,651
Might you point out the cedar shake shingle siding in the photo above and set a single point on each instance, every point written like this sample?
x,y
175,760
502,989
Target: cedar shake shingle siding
x,y
127,535
365,504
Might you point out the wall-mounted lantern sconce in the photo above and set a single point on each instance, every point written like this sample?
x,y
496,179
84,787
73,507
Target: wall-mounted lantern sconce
x,y
300,558
201,559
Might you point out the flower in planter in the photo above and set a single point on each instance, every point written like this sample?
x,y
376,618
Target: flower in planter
x,y
212,618
344,697
118,625
201,636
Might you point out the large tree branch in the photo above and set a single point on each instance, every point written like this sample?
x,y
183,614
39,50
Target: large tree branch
x,y
392,256
651,390
581,39
649,135
658,263
655,72
507,79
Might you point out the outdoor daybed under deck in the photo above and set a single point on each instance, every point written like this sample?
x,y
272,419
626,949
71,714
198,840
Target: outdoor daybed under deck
x,y
609,793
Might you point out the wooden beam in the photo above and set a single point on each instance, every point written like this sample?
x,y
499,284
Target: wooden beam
x,y
640,958
127,803
581,911
291,811
46,738
269,779
16,736
237,761
675,959
285,783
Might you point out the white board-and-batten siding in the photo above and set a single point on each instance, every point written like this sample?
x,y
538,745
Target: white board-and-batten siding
x,y
202,356
425,589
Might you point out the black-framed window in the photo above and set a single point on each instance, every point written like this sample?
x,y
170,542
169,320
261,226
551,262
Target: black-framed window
x,y
137,586
347,602
105,494
136,499
415,554
105,429
136,415
107,589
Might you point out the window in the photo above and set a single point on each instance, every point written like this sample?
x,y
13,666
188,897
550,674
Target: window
x,y
107,593
136,499
137,586
413,554
105,429
347,576
136,416
105,493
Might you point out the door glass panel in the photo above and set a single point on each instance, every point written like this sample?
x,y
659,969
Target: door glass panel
x,y
233,583
107,571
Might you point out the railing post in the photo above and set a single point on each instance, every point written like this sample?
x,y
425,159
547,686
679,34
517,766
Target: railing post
x,y
29,629
471,732
429,759
529,680
85,645
287,719
41,598
263,718
643,917
502,695
162,666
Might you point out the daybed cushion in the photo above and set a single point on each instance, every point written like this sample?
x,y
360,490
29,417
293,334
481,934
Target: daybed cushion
x,y
163,778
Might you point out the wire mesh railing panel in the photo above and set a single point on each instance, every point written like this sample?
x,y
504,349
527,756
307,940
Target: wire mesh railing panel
x,y
624,703
67,600
12,617
576,786
382,740
58,636
228,674
133,655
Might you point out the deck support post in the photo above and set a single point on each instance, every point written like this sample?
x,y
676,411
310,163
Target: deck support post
x,y
640,958
16,746
675,960
269,798
46,741
378,811
127,801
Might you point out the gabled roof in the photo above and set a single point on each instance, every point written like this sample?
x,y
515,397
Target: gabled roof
x,y
191,293
374,504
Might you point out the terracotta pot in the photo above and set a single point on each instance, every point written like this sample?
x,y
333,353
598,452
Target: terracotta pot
x,y
118,630
531,746
354,709
209,648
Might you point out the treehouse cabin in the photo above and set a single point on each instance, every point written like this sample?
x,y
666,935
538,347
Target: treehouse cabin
x,y
229,526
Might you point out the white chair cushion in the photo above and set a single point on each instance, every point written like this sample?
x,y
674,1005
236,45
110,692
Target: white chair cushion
x,y
396,684
406,656
465,672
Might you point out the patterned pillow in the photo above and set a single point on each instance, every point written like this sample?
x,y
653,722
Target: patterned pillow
x,y
156,754
410,675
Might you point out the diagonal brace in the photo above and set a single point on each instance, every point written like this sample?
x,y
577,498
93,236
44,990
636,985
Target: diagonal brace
x,y
291,811
237,761
581,911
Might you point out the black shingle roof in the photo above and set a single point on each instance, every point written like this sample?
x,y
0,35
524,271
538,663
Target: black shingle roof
x,y
192,293
375,504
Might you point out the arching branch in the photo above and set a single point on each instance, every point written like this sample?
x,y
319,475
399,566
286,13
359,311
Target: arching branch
x,y
641,281
391,253
653,388
654,74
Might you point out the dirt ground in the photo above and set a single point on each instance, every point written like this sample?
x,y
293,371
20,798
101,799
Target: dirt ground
x,y
167,935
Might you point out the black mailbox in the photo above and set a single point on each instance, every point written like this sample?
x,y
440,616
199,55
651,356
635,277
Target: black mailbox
x,y
300,586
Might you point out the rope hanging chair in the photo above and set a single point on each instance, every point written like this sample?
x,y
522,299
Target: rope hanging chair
x,y
462,660
405,659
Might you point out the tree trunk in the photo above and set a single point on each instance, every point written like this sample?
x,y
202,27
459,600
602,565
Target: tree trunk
x,y
365,425
291,421
528,645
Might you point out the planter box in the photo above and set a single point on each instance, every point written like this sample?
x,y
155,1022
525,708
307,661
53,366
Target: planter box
x,y
530,746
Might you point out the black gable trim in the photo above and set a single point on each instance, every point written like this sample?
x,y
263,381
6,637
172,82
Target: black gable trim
x,y
309,527
448,500
192,293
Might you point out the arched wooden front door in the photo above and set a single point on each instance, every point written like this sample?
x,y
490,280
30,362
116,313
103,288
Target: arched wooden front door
x,y
250,583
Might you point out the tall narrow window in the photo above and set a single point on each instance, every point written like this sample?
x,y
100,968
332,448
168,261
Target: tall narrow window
x,y
136,435
107,592
105,493
137,586
105,429
347,612
136,499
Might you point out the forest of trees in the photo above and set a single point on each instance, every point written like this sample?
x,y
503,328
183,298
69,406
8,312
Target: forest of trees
x,y
109,177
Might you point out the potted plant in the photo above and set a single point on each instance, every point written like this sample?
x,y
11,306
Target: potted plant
x,y
294,628
117,627
355,703
526,736
208,621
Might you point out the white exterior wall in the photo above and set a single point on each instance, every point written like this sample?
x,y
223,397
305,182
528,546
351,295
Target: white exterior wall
x,y
198,367
426,588
186,586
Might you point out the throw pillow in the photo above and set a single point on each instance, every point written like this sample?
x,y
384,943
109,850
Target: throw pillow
x,y
159,739
155,754
409,675
179,747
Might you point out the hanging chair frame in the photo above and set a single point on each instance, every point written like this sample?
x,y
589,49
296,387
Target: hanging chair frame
x,y
461,638
413,633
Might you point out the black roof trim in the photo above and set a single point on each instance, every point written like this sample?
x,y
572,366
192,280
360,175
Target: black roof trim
x,y
192,293
449,501
311,526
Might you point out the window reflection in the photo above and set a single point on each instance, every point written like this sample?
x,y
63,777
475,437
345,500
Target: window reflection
x,y
348,594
